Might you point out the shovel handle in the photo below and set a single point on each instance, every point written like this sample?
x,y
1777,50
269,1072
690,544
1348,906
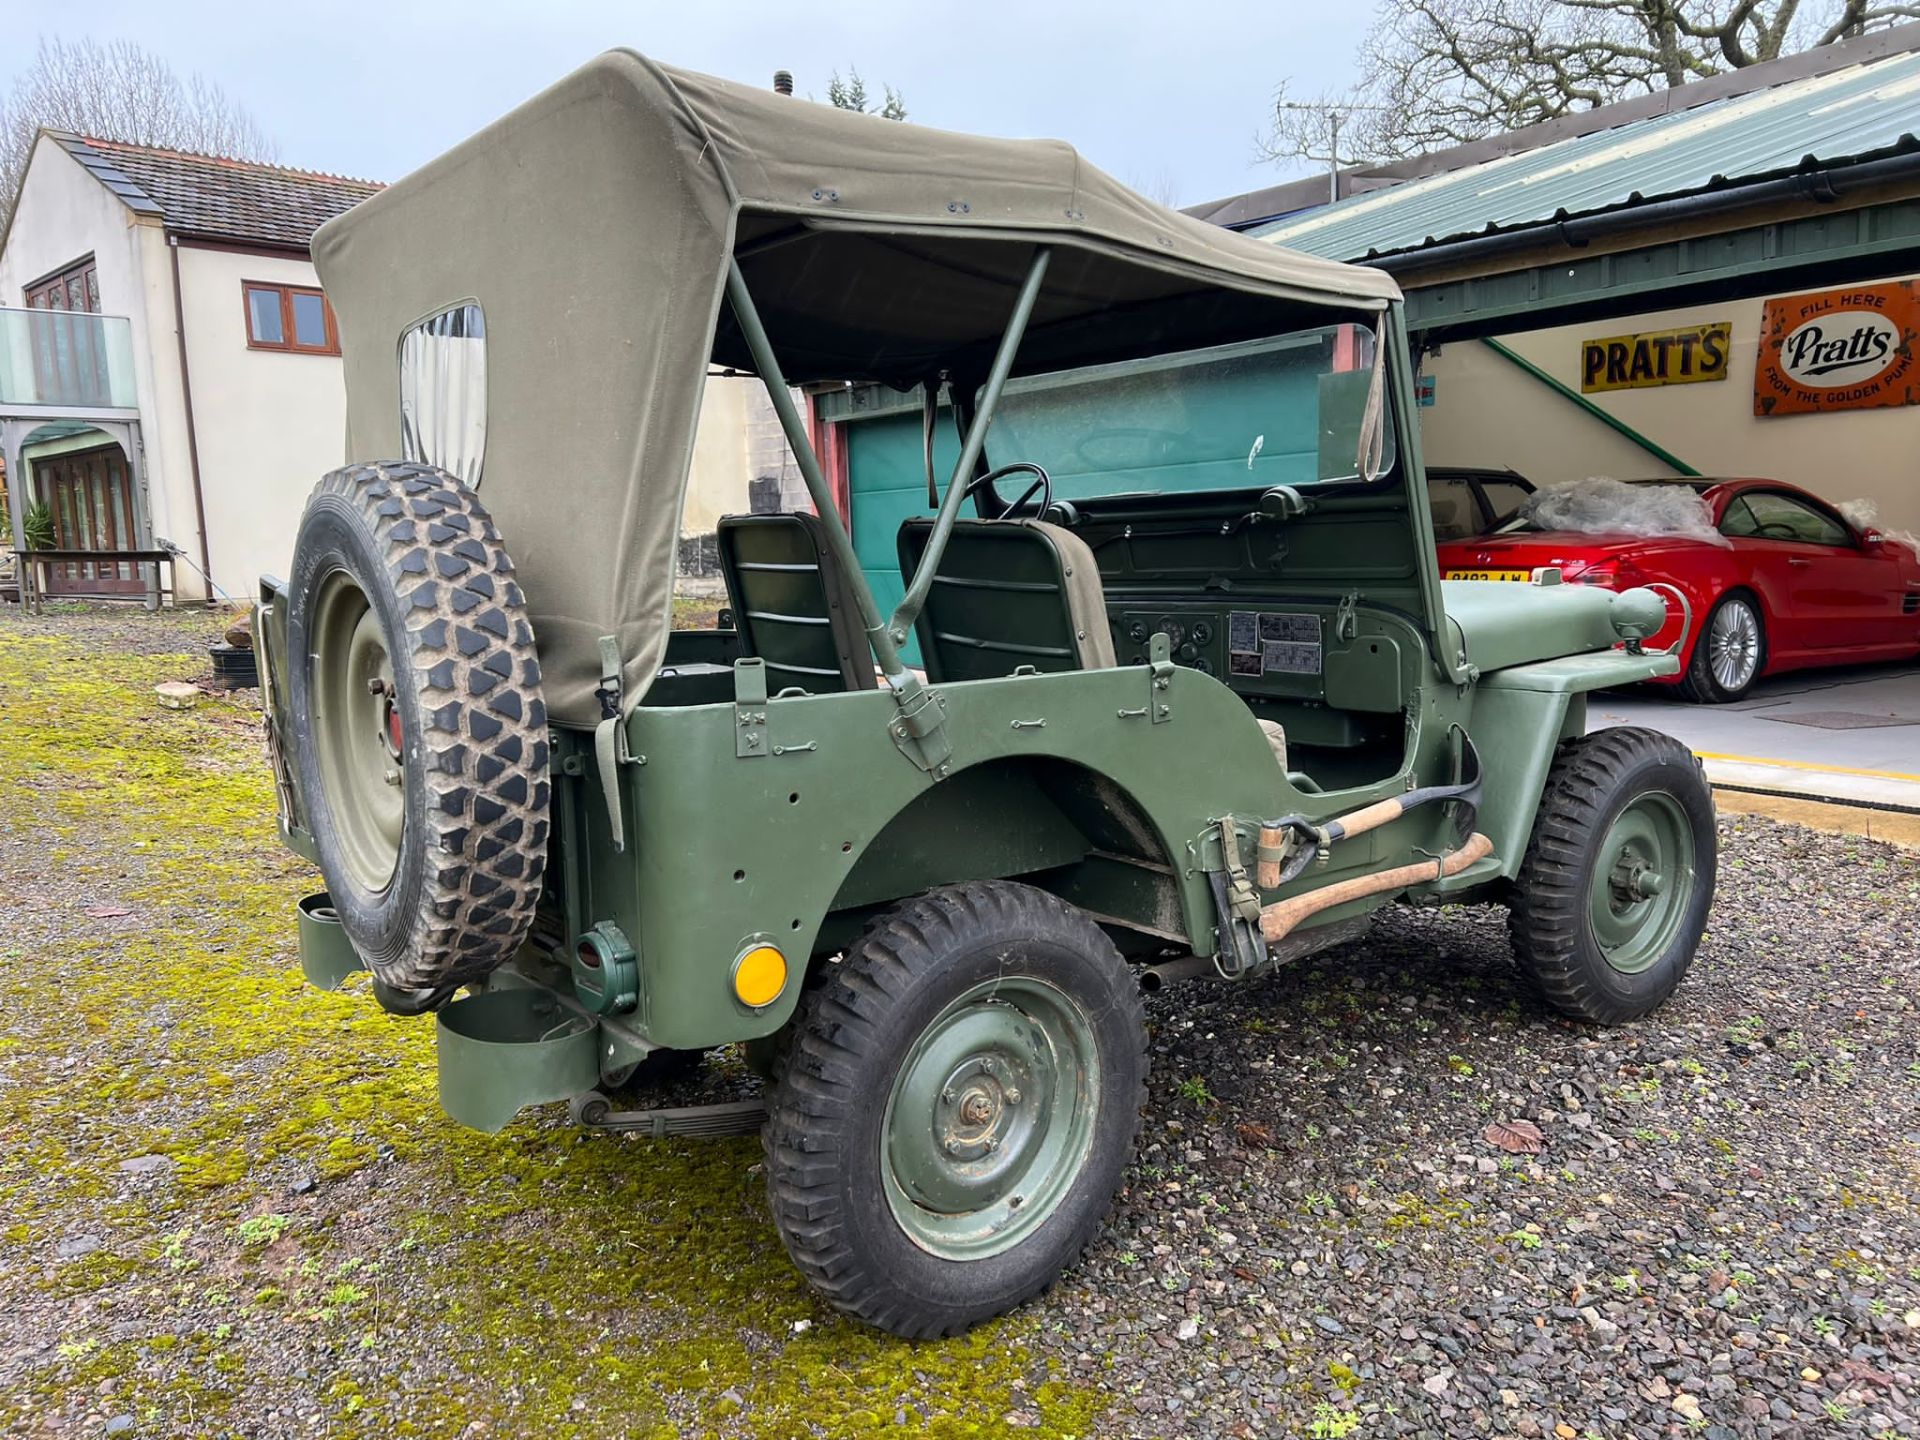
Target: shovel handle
x,y
1279,918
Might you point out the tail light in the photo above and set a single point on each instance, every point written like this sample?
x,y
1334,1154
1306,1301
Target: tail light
x,y
1610,574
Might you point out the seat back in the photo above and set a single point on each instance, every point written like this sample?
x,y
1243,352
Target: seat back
x,y
792,604
1008,593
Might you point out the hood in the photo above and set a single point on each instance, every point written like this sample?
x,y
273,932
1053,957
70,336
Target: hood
x,y
1500,625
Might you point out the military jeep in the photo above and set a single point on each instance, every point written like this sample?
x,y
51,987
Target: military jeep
x,y
1165,683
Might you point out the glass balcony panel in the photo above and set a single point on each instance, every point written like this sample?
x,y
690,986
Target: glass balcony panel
x,y
66,358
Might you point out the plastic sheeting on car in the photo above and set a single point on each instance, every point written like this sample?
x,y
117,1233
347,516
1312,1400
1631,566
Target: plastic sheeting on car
x,y
1601,505
1864,514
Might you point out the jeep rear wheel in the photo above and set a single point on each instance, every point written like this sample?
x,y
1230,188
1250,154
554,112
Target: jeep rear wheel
x,y
957,1108
1612,898
416,723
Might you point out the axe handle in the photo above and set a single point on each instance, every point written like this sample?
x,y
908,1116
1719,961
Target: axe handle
x,y
1372,817
1267,872
1279,918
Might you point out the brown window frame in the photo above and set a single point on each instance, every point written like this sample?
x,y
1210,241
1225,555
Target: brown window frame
x,y
84,269
289,344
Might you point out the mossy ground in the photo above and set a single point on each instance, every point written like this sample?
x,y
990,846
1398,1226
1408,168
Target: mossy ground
x,y
322,1250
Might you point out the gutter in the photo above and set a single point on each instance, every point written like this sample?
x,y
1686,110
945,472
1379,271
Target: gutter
x,y
1822,186
193,440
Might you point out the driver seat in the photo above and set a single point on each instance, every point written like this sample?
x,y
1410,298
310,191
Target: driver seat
x,y
1008,593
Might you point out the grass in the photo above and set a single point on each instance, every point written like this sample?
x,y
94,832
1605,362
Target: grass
x,y
541,1281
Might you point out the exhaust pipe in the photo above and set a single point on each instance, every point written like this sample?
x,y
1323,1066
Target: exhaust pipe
x,y
1158,977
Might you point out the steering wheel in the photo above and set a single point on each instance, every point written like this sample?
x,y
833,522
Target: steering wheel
x,y
1776,531
1041,484
1166,441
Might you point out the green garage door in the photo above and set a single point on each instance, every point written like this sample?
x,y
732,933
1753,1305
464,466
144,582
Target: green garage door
x,y
1237,417
887,485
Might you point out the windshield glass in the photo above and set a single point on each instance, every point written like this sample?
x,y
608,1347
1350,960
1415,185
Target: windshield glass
x,y
1289,411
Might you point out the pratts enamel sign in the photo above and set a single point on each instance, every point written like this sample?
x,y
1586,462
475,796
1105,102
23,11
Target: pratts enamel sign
x,y
1847,349
1685,356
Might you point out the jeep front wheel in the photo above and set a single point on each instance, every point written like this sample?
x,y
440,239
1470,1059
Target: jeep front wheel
x,y
1612,898
957,1108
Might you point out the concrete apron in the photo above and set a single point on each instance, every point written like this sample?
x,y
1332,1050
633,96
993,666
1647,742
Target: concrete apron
x,y
1835,750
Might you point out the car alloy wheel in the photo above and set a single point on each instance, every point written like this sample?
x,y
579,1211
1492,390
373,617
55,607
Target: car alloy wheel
x,y
1733,646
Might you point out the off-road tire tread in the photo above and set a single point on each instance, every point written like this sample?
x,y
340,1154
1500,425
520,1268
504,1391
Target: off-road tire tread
x,y
1547,914
838,1020
471,645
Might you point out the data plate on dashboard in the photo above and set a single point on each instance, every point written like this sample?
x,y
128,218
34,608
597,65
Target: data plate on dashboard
x,y
1268,642
1289,657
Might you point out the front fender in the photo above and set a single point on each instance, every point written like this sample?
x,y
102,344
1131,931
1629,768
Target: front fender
x,y
1520,717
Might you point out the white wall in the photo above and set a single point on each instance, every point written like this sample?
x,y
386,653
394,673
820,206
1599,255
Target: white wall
x,y
1487,411
63,215
269,422
717,482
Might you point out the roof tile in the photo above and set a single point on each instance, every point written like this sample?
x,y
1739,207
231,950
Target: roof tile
x,y
207,195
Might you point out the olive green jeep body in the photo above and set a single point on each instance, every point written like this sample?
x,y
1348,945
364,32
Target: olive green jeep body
x,y
917,858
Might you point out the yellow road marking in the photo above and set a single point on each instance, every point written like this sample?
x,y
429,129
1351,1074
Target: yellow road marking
x,y
1807,765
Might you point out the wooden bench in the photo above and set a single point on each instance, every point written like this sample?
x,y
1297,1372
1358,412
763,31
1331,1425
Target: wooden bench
x,y
30,569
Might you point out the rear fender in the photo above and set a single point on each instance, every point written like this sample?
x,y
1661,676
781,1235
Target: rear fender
x,y
1054,822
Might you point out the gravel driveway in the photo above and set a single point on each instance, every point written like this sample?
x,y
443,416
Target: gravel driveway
x,y
229,1204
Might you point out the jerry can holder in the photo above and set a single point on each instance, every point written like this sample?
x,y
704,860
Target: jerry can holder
x,y
327,957
503,1050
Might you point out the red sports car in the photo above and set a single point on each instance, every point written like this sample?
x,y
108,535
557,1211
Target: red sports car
x,y
1796,584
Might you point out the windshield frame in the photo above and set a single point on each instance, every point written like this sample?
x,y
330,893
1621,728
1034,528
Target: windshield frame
x,y
992,502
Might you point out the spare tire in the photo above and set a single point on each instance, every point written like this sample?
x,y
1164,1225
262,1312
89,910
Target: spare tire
x,y
417,723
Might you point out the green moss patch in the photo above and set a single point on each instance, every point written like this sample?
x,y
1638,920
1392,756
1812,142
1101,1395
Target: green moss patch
x,y
318,1237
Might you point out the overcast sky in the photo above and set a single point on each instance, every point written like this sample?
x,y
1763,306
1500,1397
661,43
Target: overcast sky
x,y
1167,96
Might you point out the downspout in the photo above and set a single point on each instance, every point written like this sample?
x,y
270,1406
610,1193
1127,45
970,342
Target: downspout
x,y
193,440
1604,416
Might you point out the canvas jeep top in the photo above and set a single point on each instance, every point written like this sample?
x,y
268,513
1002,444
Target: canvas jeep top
x,y
1165,683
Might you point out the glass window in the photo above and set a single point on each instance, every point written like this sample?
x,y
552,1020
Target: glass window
x,y
1738,521
75,288
1455,516
290,317
443,391
265,325
1504,497
1297,410
309,320
1781,517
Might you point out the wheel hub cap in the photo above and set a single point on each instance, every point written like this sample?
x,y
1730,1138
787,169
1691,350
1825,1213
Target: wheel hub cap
x,y
1733,647
1643,881
991,1114
359,732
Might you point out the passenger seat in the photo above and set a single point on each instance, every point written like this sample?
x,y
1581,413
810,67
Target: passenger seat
x,y
792,604
1008,593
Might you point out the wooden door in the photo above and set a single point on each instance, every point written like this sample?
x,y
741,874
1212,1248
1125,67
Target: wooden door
x,y
69,354
91,495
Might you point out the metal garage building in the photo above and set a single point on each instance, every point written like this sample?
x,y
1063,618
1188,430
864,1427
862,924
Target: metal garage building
x,y
1722,278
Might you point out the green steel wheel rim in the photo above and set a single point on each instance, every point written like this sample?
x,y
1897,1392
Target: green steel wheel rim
x,y
991,1117
1643,882
358,726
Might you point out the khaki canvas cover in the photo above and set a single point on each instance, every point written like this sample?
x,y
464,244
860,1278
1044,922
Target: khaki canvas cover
x,y
594,225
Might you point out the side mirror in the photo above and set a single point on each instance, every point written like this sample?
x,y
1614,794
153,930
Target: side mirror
x,y
1871,539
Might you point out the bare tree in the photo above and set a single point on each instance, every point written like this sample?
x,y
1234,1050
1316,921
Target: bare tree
x,y
851,94
1161,186
118,91
1435,73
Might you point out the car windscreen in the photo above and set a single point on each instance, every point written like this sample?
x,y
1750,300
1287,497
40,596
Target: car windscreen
x,y
1297,410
